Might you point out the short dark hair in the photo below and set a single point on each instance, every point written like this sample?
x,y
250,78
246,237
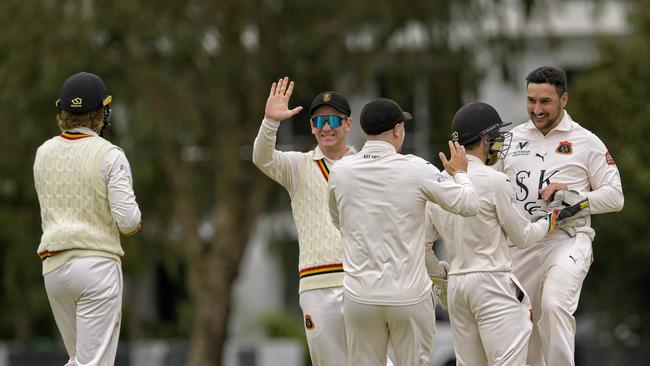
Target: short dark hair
x,y
549,75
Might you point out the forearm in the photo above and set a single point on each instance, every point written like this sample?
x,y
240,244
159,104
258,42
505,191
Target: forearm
x,y
466,200
121,197
605,199
264,144
434,268
281,166
525,233
125,211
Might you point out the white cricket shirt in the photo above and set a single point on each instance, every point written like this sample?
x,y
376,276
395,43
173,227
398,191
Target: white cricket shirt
x,y
568,154
480,243
377,198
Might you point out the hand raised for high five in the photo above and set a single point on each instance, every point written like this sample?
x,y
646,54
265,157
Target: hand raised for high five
x,y
277,106
457,161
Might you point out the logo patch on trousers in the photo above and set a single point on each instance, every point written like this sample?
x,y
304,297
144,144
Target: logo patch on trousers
x,y
309,324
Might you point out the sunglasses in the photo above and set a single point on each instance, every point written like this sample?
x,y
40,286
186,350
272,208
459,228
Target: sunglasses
x,y
333,121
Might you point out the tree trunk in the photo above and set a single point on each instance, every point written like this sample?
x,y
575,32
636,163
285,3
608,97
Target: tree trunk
x,y
214,268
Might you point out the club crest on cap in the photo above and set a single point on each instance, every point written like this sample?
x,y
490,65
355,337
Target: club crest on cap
x,y
76,103
454,135
327,97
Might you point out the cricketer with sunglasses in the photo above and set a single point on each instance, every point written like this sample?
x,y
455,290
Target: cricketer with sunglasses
x,y
305,175
488,308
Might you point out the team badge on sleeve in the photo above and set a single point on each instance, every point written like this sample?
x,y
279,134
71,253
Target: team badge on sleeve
x,y
565,147
609,158
309,324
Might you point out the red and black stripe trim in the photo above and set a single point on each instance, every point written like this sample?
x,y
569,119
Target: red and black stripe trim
x,y
318,270
74,135
48,253
323,168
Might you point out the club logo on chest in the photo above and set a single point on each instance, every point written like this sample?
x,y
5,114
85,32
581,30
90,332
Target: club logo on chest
x,y
564,147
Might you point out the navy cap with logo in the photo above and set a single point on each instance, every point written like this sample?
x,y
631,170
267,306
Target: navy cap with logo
x,y
332,99
83,92
472,120
381,115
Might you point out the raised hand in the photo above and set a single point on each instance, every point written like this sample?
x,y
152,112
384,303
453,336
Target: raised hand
x,y
457,161
277,105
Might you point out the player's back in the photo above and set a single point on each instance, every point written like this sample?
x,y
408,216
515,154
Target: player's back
x,y
476,243
381,219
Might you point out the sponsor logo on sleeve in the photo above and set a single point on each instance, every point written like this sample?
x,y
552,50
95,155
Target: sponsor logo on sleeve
x,y
609,159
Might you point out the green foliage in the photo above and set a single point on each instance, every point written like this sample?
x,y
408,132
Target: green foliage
x,y
283,324
189,81
611,99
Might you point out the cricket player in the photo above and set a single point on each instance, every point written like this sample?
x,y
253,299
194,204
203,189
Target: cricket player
x,y
85,191
489,310
552,154
305,176
377,199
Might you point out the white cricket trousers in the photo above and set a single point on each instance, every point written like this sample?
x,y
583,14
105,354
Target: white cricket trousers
x,y
86,299
490,319
552,273
410,329
323,321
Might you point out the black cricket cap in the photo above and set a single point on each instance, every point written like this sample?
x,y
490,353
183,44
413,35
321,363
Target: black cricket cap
x,y
381,115
333,99
83,92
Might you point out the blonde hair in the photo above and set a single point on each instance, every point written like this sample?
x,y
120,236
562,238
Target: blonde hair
x,y
93,120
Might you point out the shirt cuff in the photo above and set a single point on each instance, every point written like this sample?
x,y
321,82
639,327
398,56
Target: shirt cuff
x,y
462,178
271,123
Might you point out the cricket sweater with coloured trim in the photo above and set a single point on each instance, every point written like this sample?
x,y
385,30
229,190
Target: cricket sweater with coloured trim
x,y
305,175
75,211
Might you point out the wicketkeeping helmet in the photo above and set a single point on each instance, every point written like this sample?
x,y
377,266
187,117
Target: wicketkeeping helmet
x,y
476,120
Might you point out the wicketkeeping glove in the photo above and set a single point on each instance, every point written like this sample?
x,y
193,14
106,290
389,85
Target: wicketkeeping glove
x,y
440,286
567,210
